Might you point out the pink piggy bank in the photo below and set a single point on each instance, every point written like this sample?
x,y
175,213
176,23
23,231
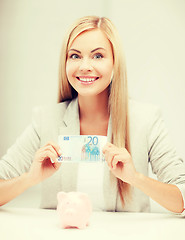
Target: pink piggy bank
x,y
74,209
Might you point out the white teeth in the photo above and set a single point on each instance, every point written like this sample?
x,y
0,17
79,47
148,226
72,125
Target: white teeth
x,y
87,79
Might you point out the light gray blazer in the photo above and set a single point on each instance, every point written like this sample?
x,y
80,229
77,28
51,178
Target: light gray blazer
x,y
149,144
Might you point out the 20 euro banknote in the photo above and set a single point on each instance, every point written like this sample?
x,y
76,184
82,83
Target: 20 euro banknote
x,y
78,148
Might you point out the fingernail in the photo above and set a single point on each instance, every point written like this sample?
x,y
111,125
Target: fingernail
x,y
51,160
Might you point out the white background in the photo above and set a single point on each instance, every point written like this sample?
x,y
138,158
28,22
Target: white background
x,y
153,36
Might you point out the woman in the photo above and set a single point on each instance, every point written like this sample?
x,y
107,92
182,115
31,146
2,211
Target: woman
x,y
93,100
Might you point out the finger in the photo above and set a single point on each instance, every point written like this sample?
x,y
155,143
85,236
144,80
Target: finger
x,y
52,160
109,157
56,147
107,147
49,149
52,150
115,161
48,154
56,165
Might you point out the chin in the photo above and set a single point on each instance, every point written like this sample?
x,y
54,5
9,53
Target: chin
x,y
91,93
87,94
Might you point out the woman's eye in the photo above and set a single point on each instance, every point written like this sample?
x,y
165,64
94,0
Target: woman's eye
x,y
98,56
74,56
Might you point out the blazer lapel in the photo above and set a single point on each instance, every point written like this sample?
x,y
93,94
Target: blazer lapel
x,y
70,124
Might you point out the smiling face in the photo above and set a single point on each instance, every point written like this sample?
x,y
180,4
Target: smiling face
x,y
89,63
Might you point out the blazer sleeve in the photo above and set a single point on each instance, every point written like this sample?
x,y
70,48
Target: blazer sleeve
x,y
165,162
19,157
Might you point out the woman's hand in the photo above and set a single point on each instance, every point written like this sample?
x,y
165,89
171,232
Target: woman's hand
x,y
45,163
120,162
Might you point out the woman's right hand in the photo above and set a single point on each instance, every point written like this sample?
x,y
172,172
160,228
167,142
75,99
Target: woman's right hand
x,y
45,163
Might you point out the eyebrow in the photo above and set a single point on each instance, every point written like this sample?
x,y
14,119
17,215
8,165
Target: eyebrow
x,y
94,50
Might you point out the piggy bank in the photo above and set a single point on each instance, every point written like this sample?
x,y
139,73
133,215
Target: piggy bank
x,y
74,209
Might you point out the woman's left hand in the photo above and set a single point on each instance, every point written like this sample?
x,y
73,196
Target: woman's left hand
x,y
120,162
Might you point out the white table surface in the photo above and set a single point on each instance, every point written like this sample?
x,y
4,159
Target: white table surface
x,y
40,224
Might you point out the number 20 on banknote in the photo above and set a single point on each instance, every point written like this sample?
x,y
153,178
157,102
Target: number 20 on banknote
x,y
91,149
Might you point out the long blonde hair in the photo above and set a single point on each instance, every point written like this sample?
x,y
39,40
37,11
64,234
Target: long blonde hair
x,y
118,98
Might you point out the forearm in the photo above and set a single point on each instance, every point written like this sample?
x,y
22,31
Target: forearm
x,y
10,189
167,195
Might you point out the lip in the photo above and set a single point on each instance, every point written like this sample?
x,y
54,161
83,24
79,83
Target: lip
x,y
87,79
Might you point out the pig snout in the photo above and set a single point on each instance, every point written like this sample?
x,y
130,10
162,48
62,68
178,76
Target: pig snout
x,y
70,212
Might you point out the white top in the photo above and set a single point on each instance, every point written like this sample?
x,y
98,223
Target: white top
x,y
90,181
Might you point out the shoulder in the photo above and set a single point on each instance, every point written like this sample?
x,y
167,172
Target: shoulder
x,y
48,119
144,116
51,110
145,123
142,110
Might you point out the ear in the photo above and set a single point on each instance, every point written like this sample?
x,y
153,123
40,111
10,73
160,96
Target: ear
x,y
87,201
83,196
61,195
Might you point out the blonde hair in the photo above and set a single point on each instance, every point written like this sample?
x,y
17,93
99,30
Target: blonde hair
x,y
118,98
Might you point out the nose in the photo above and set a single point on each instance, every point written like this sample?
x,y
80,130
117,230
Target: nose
x,y
85,65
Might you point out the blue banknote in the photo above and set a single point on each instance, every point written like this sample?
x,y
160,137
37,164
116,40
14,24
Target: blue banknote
x,y
80,148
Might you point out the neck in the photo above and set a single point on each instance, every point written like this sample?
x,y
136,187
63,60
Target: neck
x,y
93,107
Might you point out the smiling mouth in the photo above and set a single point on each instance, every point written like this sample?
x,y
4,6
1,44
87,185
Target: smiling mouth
x,y
87,79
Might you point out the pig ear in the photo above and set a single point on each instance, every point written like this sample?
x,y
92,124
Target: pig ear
x,y
61,195
83,195
86,199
